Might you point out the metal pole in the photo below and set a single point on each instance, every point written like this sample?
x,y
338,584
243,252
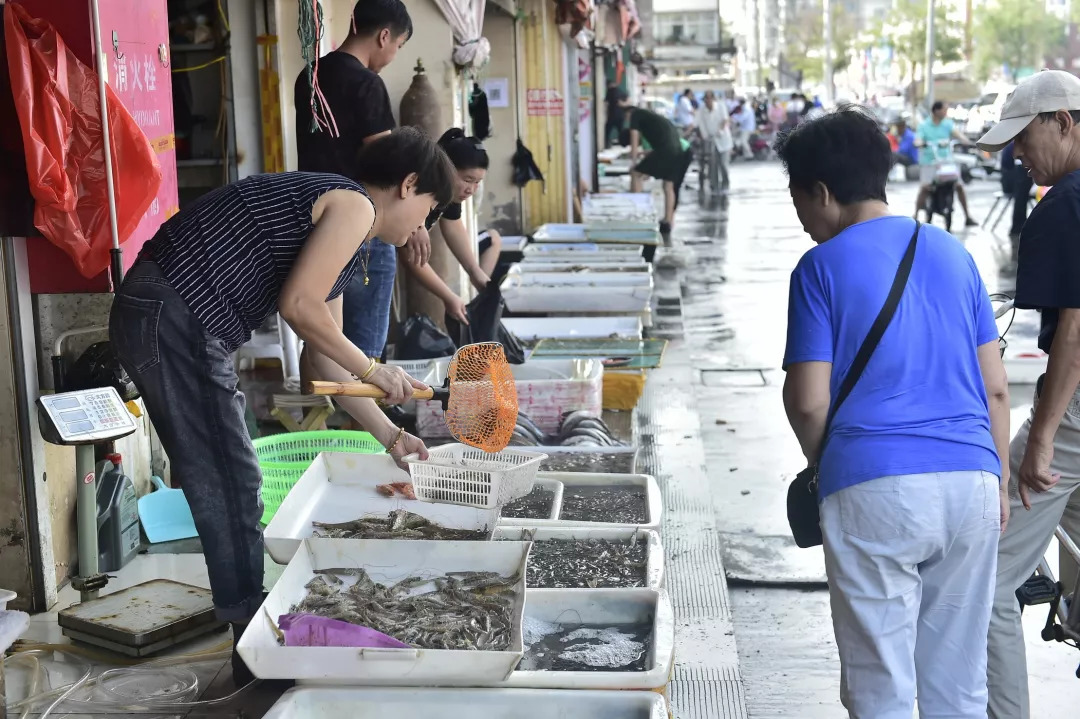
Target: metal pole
x,y
928,63
103,68
830,90
86,513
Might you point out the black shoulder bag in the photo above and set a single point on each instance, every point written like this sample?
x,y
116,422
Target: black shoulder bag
x,y
802,500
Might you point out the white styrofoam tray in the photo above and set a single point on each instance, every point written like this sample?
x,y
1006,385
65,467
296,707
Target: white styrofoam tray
x,y
546,389
556,488
357,703
580,249
604,606
654,552
532,329
386,562
575,292
340,487
654,505
562,232
542,264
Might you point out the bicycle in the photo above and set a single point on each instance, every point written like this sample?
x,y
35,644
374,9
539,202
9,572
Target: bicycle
x,y
1063,616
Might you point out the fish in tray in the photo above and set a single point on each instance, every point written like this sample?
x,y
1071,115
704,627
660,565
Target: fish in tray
x,y
399,524
459,610
579,429
591,563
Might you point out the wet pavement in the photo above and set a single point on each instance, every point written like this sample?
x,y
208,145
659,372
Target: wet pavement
x,y
733,292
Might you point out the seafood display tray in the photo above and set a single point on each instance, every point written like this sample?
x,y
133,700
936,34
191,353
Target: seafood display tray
x,y
356,703
654,568
577,264
340,487
580,250
597,607
534,329
654,506
553,486
386,562
577,292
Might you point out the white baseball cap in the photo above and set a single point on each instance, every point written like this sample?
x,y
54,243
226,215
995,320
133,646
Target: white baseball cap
x,y
1046,91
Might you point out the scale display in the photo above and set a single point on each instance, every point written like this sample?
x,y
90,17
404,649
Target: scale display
x,y
85,416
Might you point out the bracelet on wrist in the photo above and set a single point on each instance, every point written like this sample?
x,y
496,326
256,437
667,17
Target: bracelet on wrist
x,y
370,370
397,440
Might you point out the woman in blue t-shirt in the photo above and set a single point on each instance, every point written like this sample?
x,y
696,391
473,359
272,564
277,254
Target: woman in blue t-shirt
x,y
912,475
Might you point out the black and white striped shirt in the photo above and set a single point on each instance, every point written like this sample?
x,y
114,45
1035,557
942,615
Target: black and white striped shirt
x,y
228,254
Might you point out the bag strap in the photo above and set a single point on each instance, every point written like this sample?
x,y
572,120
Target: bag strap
x,y
877,331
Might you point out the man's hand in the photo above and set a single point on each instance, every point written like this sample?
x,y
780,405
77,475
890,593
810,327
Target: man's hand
x,y
1035,471
1003,498
418,248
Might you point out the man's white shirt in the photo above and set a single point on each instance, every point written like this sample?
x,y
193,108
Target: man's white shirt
x,y
713,125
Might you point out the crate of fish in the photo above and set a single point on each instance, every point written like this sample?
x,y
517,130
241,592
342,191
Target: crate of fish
x,y
459,474
596,639
359,703
597,500
392,613
351,496
579,558
544,501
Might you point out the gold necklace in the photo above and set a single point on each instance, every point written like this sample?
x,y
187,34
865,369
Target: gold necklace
x,y
365,260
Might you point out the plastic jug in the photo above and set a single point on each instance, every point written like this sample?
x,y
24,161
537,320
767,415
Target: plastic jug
x,y
117,515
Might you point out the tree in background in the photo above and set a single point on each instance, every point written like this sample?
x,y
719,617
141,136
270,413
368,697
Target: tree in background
x,y
804,34
905,30
1016,33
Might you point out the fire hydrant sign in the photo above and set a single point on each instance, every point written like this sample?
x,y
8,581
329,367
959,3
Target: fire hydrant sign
x,y
544,102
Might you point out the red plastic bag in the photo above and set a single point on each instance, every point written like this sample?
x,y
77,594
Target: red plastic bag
x,y
59,109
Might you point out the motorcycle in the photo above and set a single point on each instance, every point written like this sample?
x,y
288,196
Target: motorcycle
x,y
940,199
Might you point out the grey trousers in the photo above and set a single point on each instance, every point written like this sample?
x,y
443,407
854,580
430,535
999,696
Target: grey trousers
x,y
1019,552
188,383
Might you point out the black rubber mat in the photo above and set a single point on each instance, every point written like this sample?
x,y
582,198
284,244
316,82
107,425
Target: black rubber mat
x,y
707,693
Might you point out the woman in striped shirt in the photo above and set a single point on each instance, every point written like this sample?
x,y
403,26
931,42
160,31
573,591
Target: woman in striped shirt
x,y
287,243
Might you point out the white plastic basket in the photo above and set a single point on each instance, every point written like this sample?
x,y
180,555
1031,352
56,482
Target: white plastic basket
x,y
460,474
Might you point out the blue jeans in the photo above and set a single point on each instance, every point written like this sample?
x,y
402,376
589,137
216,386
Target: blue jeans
x,y
366,308
187,380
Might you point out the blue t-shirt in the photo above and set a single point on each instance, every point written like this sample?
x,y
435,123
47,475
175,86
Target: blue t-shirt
x,y
906,146
921,405
932,134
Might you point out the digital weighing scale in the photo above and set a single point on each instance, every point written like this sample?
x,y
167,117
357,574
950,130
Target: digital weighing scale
x,y
139,620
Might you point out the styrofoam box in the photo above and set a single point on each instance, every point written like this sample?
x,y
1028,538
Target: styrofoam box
x,y
356,703
654,557
340,487
542,264
576,292
578,249
654,505
532,329
386,562
559,232
556,488
605,606
545,390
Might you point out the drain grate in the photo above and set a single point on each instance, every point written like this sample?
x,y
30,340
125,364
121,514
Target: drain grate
x,y
695,578
733,378
707,693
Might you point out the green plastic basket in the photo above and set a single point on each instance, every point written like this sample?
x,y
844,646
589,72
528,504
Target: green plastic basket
x,y
283,458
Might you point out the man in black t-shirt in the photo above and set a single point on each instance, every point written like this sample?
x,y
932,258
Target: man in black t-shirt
x,y
667,161
1042,118
355,95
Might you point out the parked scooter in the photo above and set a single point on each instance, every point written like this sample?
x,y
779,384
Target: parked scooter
x,y
942,193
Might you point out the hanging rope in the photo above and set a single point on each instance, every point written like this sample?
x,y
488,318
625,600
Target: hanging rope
x,y
310,30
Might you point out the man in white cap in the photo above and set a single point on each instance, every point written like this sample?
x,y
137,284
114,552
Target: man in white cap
x,y
1042,118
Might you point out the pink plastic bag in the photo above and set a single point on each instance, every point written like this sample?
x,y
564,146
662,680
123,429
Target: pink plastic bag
x,y
308,630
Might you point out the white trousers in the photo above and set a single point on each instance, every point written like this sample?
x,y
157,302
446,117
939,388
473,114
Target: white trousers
x,y
911,564
1022,547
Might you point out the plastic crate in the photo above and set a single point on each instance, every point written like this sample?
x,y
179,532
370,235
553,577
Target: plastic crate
x,y
283,458
459,474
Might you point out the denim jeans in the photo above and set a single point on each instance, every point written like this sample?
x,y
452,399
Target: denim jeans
x,y
187,380
366,308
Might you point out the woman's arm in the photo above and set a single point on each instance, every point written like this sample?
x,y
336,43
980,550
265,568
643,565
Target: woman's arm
x,y
315,365
342,219
997,393
429,278
807,397
457,239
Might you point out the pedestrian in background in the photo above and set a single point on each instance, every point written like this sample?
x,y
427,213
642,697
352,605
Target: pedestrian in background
x,y
713,127
910,475
684,111
1042,119
743,125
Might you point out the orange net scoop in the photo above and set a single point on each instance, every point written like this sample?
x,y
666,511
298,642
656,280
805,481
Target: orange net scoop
x,y
483,406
